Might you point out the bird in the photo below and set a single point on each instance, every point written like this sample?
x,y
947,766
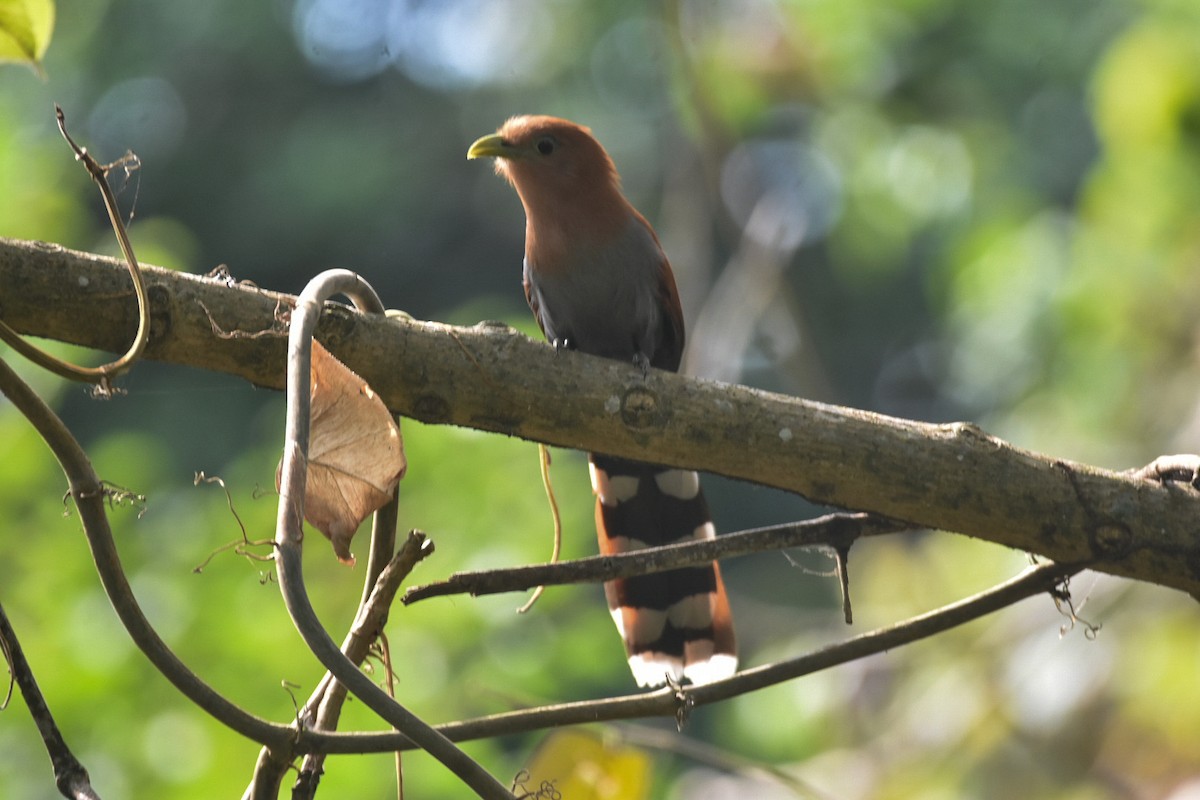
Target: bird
x,y
598,281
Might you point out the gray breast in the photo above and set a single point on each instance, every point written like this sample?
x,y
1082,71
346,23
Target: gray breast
x,y
606,301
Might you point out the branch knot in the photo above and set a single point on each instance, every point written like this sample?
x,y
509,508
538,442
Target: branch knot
x,y
640,408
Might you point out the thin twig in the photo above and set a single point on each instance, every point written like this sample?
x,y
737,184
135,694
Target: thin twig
x,y
663,702
8,659
101,375
555,517
831,529
323,708
841,560
70,776
321,712
368,624
240,547
390,682
289,536
1043,578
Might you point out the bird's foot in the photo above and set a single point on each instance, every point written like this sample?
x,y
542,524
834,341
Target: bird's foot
x,y
1181,468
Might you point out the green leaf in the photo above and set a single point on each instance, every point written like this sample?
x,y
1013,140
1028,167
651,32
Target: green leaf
x,y
25,28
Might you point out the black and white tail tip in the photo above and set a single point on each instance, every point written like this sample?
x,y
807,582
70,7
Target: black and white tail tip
x,y
675,624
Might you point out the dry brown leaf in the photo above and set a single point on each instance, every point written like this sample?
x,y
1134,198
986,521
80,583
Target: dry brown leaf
x,y
355,453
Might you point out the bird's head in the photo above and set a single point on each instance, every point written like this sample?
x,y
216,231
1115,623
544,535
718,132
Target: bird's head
x,y
555,165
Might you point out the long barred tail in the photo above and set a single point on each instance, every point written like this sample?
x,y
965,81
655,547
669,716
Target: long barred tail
x,y
674,623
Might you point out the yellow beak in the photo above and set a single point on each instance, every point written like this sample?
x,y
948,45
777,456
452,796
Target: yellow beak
x,y
491,145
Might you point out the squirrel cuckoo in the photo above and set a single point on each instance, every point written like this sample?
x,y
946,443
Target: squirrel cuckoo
x,y
598,281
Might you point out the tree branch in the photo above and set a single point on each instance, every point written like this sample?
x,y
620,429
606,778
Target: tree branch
x,y
669,702
324,705
103,375
839,530
89,495
70,776
368,625
953,477
289,538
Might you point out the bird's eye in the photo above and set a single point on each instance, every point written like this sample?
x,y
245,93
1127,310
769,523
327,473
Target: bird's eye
x,y
546,145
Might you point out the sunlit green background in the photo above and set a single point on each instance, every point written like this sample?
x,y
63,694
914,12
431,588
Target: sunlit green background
x,y
939,210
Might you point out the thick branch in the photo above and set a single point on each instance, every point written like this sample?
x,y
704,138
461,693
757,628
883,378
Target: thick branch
x,y
954,477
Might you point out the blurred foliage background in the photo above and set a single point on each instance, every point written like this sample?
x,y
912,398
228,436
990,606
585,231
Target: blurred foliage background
x,y
940,210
